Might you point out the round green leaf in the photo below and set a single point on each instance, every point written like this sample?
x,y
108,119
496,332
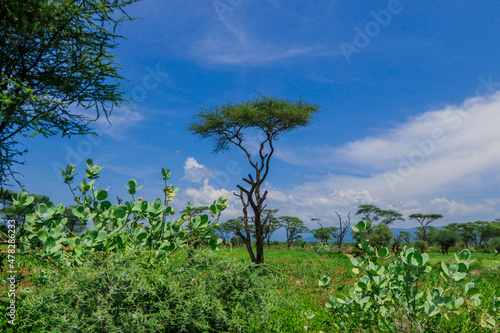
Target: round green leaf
x,y
141,235
465,254
49,244
361,225
89,164
43,235
87,241
102,235
70,168
101,195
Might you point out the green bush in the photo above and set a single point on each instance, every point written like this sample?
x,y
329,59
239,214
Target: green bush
x,y
444,238
197,292
321,248
388,295
380,235
494,243
421,245
130,226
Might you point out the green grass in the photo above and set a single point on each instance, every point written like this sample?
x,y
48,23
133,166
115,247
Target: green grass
x,y
287,285
294,274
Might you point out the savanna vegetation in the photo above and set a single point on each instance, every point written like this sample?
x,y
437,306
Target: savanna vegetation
x,y
129,268
131,265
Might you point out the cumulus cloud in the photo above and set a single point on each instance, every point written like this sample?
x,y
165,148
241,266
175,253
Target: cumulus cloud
x,y
443,161
195,172
206,194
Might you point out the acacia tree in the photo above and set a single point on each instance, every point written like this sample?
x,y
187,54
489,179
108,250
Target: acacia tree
x,y
424,221
372,214
293,227
227,125
55,56
483,231
324,234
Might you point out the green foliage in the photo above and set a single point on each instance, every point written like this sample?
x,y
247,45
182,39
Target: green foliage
x,y
196,292
444,238
484,231
388,295
56,55
117,228
381,235
294,227
421,245
495,244
271,115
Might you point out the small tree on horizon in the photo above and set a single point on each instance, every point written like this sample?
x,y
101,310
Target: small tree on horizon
x,y
227,125
225,231
293,227
324,234
424,221
271,223
445,238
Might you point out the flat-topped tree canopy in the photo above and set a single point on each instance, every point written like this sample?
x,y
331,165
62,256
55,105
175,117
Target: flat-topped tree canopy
x,y
425,220
225,124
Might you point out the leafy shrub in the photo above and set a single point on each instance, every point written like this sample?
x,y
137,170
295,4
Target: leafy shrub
x,y
197,292
421,245
495,244
380,235
388,296
321,248
133,225
444,238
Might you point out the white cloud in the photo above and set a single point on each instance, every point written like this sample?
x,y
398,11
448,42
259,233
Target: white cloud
x,y
232,45
118,123
443,161
195,172
206,194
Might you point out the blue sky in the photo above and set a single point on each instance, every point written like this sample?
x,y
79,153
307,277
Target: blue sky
x,y
408,93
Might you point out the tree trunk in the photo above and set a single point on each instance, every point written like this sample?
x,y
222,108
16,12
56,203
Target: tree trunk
x,y
248,243
259,237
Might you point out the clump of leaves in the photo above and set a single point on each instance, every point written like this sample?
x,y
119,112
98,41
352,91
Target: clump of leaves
x,y
389,293
130,226
198,291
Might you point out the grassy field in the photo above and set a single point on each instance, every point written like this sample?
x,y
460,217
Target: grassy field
x,y
288,286
294,275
